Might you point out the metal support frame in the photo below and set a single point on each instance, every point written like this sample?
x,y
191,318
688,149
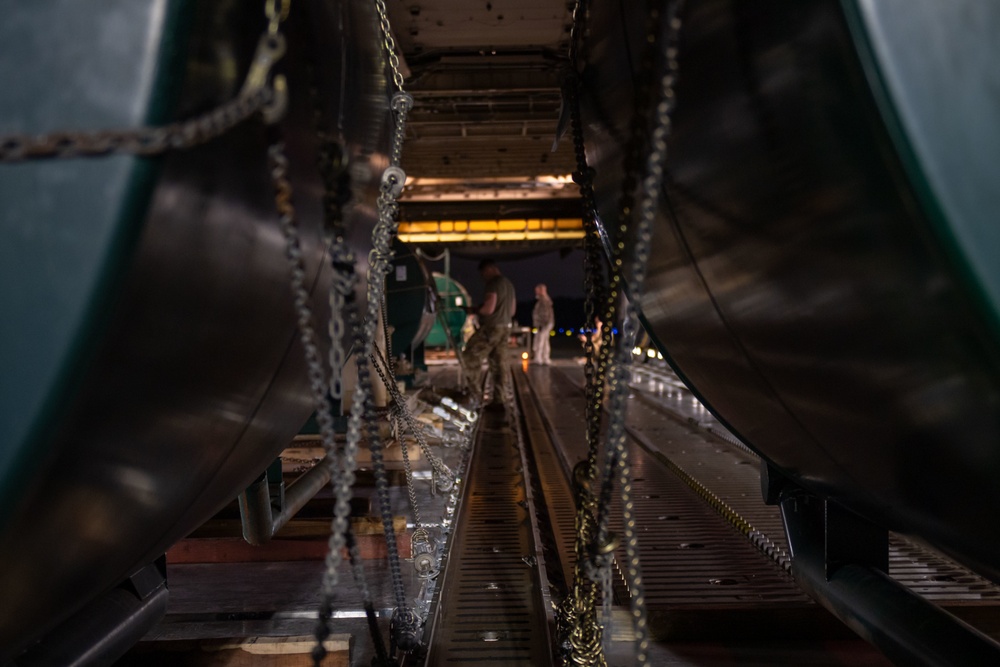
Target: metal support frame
x,y
262,517
842,560
105,629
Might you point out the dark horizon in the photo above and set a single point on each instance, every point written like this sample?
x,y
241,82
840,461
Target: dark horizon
x,y
562,275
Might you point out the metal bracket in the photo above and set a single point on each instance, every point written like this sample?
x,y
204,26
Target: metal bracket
x,y
270,50
841,559
824,535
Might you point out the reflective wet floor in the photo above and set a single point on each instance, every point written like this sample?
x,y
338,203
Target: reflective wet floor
x,y
713,556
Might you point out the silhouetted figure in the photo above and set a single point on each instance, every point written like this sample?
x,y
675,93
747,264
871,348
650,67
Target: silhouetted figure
x,y
543,319
490,340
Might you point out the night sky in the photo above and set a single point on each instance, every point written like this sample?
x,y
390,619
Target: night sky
x,y
562,275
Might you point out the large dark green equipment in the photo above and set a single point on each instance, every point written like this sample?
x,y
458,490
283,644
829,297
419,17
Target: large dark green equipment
x,y
151,365
453,298
410,302
823,270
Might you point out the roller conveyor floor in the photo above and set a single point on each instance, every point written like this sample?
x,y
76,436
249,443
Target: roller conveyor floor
x,y
662,397
713,598
713,555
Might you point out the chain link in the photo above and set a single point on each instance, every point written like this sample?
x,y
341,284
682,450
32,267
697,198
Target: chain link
x,y
344,465
413,426
333,171
580,631
397,415
616,465
389,45
363,415
405,624
276,12
261,93
390,362
411,492
332,166
278,165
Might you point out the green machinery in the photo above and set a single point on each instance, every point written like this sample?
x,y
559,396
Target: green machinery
x,y
452,299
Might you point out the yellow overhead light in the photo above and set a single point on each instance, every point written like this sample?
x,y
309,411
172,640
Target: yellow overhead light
x,y
479,231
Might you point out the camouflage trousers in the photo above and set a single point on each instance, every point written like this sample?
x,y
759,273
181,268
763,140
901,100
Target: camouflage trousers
x,y
490,344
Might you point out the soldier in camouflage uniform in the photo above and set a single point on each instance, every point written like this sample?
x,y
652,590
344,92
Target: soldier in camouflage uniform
x,y
490,340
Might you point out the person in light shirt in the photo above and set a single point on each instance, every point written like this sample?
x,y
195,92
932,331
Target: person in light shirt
x,y
542,319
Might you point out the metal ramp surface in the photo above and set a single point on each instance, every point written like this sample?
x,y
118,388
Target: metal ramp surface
x,y
490,606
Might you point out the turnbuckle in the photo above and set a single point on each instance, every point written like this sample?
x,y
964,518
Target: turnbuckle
x,y
422,547
405,629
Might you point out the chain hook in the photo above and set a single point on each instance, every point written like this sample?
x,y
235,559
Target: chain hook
x,y
401,102
276,12
393,180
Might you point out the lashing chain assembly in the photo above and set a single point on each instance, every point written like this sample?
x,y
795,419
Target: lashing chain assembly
x,y
346,320
606,369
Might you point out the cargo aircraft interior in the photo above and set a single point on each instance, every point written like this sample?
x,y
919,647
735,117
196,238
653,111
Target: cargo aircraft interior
x,y
590,333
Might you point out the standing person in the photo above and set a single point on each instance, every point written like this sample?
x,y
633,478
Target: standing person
x,y
490,340
543,319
